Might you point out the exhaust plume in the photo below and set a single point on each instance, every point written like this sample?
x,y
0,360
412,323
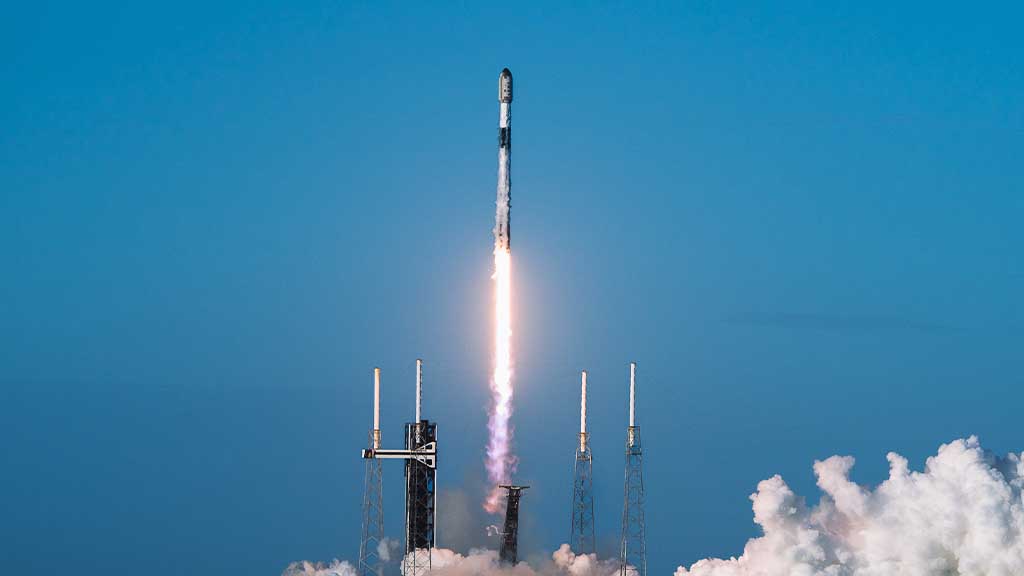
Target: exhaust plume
x,y
962,516
501,462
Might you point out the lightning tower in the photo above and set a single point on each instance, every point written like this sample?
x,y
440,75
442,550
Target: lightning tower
x,y
370,562
509,552
582,537
633,552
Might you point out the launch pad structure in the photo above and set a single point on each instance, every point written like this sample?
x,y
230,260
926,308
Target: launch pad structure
x,y
420,498
420,456
509,552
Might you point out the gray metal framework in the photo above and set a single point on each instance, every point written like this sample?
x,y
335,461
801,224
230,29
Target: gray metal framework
x,y
420,456
420,493
582,537
633,552
510,535
370,562
420,498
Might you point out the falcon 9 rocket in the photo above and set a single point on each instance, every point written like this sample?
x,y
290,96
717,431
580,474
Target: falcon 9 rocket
x,y
502,216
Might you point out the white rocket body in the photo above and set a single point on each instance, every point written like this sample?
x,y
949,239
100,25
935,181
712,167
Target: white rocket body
x,y
502,216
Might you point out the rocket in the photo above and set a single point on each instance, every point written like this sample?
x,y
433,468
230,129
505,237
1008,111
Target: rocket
x,y
502,233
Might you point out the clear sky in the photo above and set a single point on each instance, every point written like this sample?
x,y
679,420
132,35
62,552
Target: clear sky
x,y
216,218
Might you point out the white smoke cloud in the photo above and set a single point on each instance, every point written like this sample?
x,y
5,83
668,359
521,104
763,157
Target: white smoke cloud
x,y
563,562
386,547
304,568
583,564
481,562
962,516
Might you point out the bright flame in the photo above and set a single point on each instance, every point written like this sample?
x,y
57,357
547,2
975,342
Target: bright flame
x,y
500,461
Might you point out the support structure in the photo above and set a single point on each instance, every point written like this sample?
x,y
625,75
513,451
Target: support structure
x,y
510,535
581,538
370,562
420,499
633,551
420,456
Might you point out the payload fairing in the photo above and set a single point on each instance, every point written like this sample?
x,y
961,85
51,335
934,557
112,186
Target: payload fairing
x,y
502,234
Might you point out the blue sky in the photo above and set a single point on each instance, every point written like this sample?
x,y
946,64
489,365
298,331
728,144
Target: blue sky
x,y
803,223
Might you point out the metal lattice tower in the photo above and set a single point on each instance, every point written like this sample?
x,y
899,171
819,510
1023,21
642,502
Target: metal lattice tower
x,y
509,553
370,563
633,552
420,503
582,537
420,456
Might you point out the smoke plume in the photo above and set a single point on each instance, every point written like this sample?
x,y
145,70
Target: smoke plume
x,y
563,562
481,562
961,516
305,568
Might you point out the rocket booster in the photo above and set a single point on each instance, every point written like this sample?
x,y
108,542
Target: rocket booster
x,y
502,232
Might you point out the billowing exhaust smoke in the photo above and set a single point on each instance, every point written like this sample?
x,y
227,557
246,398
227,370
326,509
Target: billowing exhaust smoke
x,y
304,568
562,562
962,516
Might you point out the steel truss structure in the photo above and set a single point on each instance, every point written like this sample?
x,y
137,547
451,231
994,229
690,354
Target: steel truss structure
x,y
582,537
370,562
633,551
510,535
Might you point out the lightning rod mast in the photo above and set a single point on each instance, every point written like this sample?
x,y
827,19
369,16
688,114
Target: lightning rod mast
x,y
581,538
633,551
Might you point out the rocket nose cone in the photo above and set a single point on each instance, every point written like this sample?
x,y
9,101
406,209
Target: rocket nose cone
x,y
505,86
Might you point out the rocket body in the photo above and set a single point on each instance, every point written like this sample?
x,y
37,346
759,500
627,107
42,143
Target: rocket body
x,y
502,216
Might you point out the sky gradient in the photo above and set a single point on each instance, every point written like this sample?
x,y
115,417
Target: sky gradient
x,y
804,224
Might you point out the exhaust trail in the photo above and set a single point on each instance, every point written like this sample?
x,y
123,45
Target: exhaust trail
x,y
501,462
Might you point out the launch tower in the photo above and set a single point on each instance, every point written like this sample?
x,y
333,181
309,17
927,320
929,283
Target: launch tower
x,y
420,455
420,498
510,535
420,494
